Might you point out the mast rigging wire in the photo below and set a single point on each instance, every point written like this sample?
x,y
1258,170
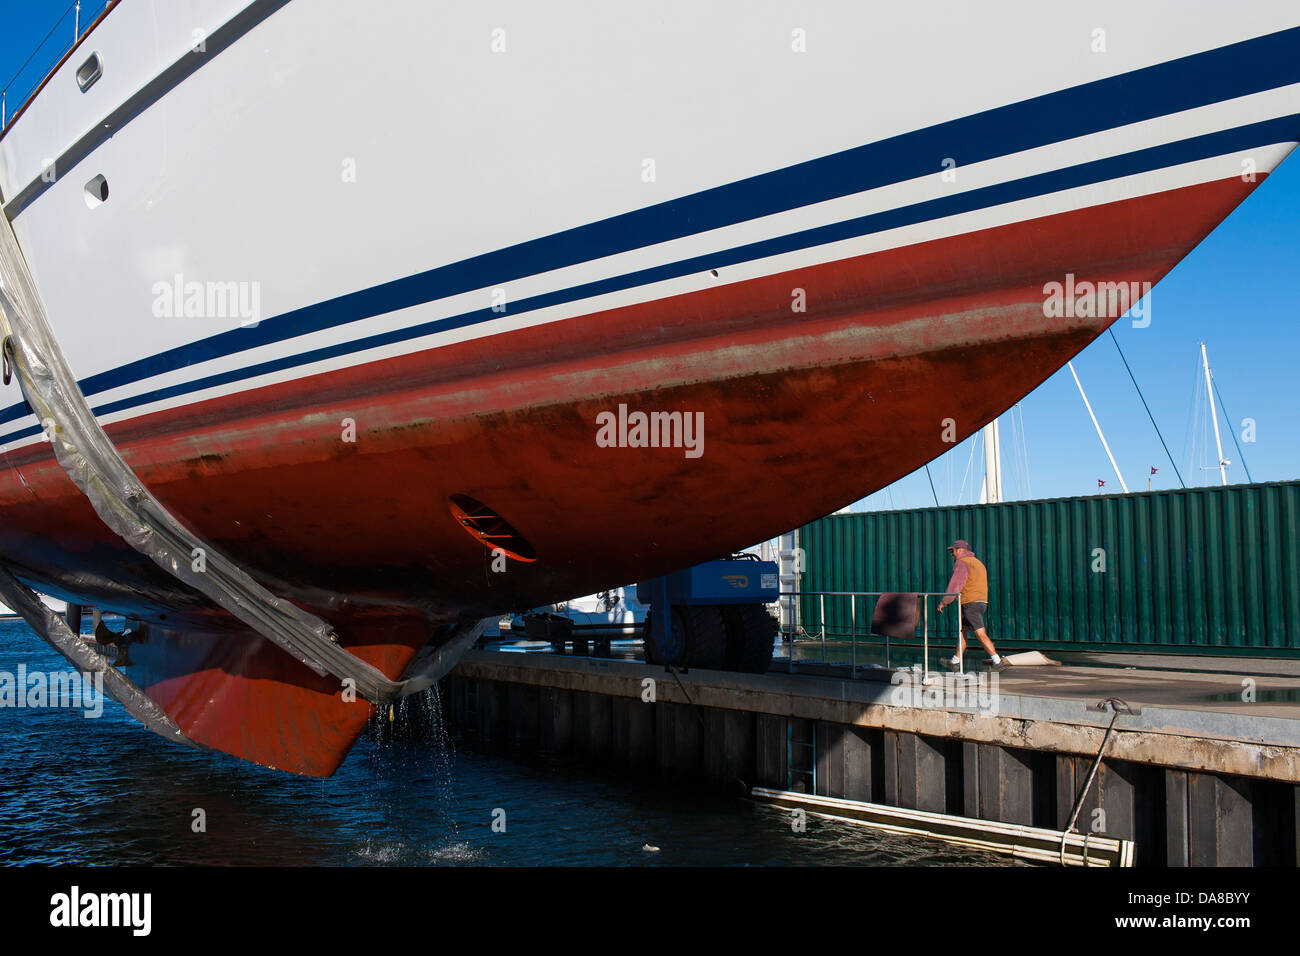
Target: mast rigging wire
x,y
932,491
28,61
1133,379
1232,431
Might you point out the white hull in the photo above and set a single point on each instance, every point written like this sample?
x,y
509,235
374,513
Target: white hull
x,y
339,146
463,235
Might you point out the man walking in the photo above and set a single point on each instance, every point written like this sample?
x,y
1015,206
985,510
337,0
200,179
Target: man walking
x,y
970,579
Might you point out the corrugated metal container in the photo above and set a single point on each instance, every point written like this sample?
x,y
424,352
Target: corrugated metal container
x,y
1197,570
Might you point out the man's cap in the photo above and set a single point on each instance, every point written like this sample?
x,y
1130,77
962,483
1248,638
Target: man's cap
x,y
959,545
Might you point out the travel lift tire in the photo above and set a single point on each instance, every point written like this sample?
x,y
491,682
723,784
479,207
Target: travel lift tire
x,y
751,632
696,638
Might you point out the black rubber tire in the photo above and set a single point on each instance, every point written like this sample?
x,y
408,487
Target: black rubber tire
x,y
554,628
702,639
647,651
654,654
706,636
751,632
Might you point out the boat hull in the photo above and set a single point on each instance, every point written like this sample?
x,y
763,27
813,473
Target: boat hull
x,y
830,303
368,519
803,411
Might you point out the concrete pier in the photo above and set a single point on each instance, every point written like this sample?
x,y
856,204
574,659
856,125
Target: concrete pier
x,y
1196,777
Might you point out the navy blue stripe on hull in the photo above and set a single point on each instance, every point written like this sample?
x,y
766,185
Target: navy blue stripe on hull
x,y
1249,67
1283,129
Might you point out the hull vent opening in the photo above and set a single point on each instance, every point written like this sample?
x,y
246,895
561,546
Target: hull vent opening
x,y
90,71
97,192
490,529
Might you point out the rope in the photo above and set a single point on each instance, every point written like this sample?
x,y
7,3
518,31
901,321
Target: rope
x,y
694,707
1115,704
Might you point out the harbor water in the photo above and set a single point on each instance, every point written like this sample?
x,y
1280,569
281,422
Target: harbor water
x,y
104,791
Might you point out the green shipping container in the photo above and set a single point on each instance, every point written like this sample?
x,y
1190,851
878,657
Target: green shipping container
x,y
1198,570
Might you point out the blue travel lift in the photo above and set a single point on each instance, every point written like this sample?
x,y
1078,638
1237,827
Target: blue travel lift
x,y
713,615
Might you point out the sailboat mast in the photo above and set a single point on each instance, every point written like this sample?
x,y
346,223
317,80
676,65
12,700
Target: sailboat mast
x,y
992,489
1214,416
1096,424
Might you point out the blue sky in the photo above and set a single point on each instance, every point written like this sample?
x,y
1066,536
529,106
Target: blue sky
x,y
26,23
1234,292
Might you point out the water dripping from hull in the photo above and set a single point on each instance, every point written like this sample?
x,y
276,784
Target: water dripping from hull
x,y
412,760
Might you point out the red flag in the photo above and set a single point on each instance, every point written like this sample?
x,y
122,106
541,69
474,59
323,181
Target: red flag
x,y
1154,469
1100,483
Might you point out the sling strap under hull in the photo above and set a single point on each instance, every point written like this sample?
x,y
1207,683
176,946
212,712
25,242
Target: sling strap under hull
x,y
131,511
52,629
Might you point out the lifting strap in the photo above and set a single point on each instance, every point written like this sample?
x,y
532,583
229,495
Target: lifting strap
x,y
55,632
131,511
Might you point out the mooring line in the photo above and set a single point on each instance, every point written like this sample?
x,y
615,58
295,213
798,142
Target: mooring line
x,y
694,706
1115,704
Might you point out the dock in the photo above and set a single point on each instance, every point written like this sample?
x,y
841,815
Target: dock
x,y
1202,767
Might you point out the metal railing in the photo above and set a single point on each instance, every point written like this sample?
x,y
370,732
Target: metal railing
x,y
29,86
819,634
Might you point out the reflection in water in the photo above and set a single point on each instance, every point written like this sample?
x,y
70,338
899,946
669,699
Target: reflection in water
x,y
107,791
